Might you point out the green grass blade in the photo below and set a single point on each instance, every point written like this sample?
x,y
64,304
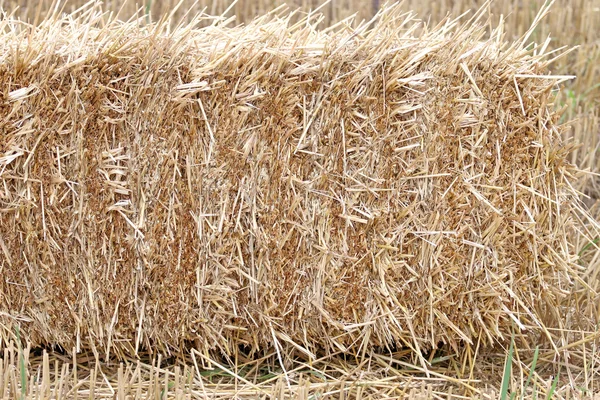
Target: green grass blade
x,y
162,392
22,369
531,371
148,8
507,371
553,387
587,246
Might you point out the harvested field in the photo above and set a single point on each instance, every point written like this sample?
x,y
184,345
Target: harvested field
x,y
240,199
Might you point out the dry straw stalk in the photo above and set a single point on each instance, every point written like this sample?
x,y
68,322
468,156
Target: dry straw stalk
x,y
278,186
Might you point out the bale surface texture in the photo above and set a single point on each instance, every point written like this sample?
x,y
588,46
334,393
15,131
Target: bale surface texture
x,y
277,186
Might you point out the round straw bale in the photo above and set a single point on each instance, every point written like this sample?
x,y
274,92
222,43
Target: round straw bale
x,y
277,186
